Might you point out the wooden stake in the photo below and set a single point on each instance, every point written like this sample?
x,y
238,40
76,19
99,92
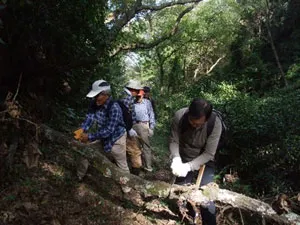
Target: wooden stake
x,y
200,175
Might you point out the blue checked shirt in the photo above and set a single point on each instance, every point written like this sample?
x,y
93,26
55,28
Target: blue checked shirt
x,y
144,112
128,101
110,124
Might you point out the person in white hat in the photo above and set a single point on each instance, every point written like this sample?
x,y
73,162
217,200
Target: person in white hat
x,y
131,90
109,118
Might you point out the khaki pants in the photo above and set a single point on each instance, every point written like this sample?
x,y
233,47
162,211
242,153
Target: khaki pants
x,y
142,130
134,151
118,152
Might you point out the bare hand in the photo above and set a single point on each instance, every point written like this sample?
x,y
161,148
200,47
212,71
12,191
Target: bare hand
x,y
84,137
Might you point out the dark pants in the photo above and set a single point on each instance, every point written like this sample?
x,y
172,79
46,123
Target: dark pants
x,y
208,213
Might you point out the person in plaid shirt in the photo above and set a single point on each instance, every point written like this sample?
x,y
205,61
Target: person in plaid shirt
x,y
109,118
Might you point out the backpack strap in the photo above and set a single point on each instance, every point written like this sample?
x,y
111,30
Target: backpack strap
x,y
183,123
211,123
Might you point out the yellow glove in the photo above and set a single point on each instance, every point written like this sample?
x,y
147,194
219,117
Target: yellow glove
x,y
77,133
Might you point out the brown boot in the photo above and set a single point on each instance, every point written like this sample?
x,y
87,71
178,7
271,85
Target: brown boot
x,y
135,171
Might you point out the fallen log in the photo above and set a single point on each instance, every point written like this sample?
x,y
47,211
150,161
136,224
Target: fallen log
x,y
160,189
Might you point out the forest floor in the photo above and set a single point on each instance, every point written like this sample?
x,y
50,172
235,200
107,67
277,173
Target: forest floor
x,y
51,194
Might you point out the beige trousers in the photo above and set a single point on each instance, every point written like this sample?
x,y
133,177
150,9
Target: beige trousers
x,y
134,151
118,152
142,130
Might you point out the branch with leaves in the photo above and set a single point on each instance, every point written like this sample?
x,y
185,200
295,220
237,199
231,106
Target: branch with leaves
x,y
124,17
140,46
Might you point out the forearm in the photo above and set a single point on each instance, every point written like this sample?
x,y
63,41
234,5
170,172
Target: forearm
x,y
201,160
210,147
174,138
174,149
151,117
88,122
100,134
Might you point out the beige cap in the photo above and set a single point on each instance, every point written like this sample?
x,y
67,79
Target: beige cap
x,y
134,84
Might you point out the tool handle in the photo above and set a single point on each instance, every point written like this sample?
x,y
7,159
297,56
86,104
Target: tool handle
x,y
200,175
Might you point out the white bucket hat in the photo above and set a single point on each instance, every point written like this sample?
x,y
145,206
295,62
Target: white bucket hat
x,y
97,87
134,84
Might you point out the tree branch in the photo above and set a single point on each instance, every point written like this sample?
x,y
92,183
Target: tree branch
x,y
117,26
167,5
215,64
17,91
138,7
140,46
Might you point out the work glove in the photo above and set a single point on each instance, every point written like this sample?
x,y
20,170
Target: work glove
x,y
176,162
132,133
77,133
175,165
183,170
151,132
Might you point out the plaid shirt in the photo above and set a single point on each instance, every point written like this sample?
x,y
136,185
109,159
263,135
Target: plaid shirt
x,y
110,124
128,101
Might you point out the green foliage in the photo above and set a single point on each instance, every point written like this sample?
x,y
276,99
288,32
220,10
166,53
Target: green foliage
x,y
264,131
293,73
47,43
222,52
260,129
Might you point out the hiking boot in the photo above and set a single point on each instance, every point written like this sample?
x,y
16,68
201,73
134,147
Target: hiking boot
x,y
136,171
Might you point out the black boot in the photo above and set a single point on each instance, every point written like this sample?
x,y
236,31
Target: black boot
x,y
208,218
135,171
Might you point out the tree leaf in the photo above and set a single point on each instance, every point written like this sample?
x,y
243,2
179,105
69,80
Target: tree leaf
x,y
2,42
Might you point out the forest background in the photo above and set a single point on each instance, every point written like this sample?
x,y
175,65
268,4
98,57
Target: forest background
x,y
243,56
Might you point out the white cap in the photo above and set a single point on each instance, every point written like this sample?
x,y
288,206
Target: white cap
x,y
134,84
97,87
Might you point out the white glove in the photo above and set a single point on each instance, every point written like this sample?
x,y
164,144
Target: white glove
x,y
180,169
132,133
151,132
184,169
176,163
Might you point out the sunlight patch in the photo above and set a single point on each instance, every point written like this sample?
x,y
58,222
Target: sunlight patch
x,y
53,169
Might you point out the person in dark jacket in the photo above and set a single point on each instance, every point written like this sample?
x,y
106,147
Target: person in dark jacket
x,y
190,148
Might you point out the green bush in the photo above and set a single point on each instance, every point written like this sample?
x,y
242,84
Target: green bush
x,y
263,131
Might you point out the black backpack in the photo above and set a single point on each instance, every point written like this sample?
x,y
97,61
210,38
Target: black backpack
x,y
223,142
127,115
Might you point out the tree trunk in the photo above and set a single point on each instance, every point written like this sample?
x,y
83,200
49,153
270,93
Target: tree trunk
x,y
273,45
131,183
